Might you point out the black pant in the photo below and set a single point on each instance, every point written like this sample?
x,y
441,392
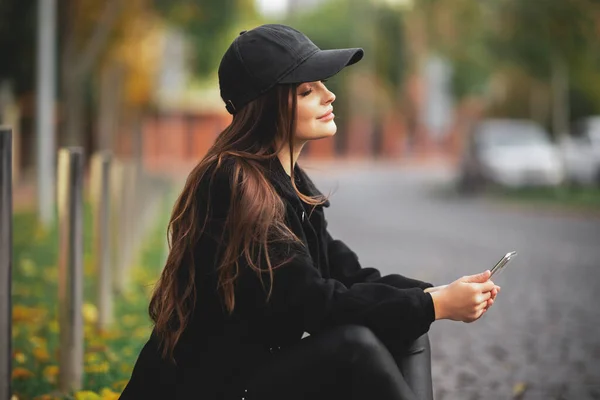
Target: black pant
x,y
347,362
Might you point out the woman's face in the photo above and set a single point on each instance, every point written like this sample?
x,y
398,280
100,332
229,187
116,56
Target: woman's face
x,y
315,119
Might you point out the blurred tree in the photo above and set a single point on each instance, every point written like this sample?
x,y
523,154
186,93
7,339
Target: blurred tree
x,y
208,25
86,29
553,42
458,30
557,42
126,73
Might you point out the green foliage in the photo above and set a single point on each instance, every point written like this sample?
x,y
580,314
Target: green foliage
x,y
389,48
109,356
483,38
207,24
533,32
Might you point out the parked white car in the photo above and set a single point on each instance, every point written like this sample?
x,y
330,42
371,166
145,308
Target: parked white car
x,y
582,152
510,153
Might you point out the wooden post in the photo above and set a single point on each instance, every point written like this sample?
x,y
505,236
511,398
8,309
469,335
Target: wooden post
x,y
5,261
70,267
100,199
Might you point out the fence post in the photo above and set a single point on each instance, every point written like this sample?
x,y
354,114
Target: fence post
x,y
70,267
101,205
125,200
5,261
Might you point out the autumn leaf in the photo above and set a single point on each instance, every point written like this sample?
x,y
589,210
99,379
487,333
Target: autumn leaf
x,y
21,373
518,389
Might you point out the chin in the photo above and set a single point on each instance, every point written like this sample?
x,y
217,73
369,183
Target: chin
x,y
330,131
320,134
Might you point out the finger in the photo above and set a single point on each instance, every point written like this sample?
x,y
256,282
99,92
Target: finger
x,y
481,298
482,277
481,306
478,314
485,287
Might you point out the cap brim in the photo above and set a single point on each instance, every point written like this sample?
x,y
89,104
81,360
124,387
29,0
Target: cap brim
x,y
323,64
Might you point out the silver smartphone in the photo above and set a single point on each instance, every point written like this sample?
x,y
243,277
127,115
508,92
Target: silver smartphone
x,y
502,263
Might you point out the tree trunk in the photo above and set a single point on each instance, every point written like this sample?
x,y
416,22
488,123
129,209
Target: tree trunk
x,y
538,103
560,95
73,107
109,106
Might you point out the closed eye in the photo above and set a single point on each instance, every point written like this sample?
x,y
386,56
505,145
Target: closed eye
x,y
309,91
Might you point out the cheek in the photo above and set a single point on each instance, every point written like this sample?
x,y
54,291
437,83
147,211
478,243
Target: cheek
x,y
308,127
303,119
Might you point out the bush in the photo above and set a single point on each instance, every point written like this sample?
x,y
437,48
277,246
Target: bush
x,y
109,356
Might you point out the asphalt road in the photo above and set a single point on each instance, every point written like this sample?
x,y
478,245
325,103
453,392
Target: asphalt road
x,y
541,339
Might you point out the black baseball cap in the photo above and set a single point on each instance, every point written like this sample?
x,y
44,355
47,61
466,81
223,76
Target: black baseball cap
x,y
272,54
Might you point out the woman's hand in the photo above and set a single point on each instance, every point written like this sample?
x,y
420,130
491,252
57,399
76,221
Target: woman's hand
x,y
465,299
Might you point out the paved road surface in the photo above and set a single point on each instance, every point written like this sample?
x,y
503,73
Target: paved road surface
x,y
543,333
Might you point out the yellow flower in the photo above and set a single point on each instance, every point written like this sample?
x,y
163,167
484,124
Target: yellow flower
x,y
41,354
50,373
53,326
90,313
20,357
100,368
87,395
141,333
112,356
109,334
38,341
92,358
107,394
28,267
21,373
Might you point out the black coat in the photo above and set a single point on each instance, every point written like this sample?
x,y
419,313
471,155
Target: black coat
x,y
324,285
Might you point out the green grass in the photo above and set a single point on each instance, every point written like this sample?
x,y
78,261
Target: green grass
x,y
568,198
109,356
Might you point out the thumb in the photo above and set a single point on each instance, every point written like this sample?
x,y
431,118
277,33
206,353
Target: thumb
x,y
478,278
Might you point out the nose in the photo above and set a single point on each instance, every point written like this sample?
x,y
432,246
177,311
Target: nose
x,y
329,96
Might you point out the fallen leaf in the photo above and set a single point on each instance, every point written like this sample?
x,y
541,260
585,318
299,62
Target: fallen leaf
x,y
519,388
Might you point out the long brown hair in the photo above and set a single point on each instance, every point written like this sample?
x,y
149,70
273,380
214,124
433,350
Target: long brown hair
x,y
255,217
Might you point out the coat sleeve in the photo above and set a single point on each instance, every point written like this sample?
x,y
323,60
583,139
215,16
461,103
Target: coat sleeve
x,y
345,267
301,293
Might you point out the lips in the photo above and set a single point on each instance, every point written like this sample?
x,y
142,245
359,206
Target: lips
x,y
326,114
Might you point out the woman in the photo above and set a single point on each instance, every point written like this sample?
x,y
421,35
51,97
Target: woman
x,y
252,267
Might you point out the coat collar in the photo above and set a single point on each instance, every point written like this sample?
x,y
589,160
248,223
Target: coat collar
x,y
282,182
